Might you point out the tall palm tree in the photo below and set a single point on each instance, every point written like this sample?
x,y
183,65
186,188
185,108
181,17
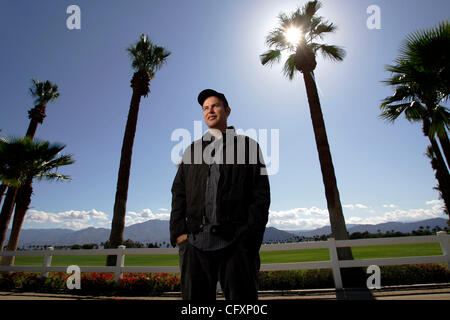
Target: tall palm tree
x,y
146,59
42,93
420,77
42,163
305,27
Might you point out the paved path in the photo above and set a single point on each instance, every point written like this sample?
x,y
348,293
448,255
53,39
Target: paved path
x,y
417,292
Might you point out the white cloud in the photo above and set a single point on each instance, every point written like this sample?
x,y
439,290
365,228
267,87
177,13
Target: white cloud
x,y
298,218
290,219
305,219
70,219
144,215
402,215
75,225
355,206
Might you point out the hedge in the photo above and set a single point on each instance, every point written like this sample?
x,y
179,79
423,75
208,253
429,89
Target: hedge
x,y
154,284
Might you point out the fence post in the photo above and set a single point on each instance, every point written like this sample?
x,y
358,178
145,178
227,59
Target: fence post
x,y
335,263
444,242
120,262
47,262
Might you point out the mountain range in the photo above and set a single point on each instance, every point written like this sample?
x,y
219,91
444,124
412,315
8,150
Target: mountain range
x,y
157,231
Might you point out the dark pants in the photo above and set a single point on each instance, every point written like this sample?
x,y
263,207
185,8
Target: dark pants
x,y
235,267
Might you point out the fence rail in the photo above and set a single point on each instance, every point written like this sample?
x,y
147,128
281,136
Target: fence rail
x,y
331,244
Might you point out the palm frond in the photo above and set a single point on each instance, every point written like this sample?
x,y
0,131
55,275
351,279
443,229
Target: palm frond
x,y
43,92
53,176
415,112
311,8
331,52
289,67
270,57
402,94
24,158
391,112
147,56
277,39
439,122
321,29
311,26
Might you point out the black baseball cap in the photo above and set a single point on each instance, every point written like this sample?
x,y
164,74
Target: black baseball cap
x,y
211,93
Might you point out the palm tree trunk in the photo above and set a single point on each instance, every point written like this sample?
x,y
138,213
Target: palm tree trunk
x,y
437,151
443,180
442,173
337,221
445,147
118,221
2,191
6,213
36,115
32,127
23,200
351,277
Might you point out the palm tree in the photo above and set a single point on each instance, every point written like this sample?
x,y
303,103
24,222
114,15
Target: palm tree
x,y
18,158
146,59
297,34
42,164
13,155
429,53
421,80
42,93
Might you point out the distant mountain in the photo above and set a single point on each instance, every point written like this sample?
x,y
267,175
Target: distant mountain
x,y
149,231
146,232
383,227
157,231
273,234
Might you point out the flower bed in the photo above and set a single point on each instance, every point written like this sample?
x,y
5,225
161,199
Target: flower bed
x,y
323,278
154,284
93,283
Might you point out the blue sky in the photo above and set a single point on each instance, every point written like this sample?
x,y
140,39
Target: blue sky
x,y
382,172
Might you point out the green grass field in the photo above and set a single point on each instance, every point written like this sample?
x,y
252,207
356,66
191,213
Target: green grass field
x,y
285,256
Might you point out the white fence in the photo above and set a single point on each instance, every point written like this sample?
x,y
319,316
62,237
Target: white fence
x,y
334,263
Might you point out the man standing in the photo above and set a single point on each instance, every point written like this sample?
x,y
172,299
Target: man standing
x,y
220,208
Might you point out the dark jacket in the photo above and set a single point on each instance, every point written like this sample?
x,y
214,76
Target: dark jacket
x,y
243,196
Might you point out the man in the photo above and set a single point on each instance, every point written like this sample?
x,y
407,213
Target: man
x,y
220,208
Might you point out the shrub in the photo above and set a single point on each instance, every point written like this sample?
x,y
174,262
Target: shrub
x,y
153,284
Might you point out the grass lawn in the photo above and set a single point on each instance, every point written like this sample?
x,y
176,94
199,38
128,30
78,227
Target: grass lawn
x,y
285,256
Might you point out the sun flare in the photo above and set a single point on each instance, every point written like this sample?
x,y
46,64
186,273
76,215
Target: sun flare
x,y
293,35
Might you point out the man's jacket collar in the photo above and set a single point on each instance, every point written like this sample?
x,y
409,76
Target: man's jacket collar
x,y
208,137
